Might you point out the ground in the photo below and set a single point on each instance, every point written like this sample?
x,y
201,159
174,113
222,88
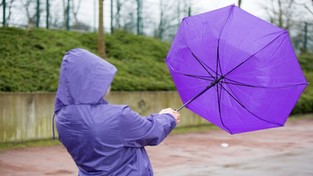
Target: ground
x,y
285,151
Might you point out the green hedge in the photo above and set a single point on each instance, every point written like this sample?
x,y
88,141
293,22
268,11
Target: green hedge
x,y
305,103
306,61
30,61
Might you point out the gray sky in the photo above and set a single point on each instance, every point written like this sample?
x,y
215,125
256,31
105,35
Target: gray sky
x,y
200,6
88,12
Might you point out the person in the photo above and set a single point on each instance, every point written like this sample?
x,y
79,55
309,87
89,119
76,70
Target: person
x,y
103,139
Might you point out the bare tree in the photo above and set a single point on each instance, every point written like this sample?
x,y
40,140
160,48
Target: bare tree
x,y
162,22
292,16
56,19
239,3
303,37
306,6
101,46
170,18
77,24
75,9
128,17
118,14
66,14
139,17
281,13
9,6
130,23
29,6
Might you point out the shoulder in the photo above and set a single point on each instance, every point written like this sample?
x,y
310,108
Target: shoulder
x,y
112,107
120,110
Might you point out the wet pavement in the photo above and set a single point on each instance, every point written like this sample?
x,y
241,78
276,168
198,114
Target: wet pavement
x,y
297,163
286,151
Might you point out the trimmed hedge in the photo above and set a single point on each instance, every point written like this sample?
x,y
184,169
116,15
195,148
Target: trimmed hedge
x,y
306,61
305,103
30,61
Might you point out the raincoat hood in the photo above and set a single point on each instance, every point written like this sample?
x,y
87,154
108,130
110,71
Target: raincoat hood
x,y
84,79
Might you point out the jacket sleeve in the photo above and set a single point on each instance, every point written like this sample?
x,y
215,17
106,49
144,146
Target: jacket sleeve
x,y
137,131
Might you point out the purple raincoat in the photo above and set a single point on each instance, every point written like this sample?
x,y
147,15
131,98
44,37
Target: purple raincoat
x,y
103,139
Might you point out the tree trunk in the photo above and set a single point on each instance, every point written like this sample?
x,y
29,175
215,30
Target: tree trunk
x,y
139,17
101,47
239,3
118,14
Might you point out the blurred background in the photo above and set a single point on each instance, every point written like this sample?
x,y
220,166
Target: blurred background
x,y
134,35
159,18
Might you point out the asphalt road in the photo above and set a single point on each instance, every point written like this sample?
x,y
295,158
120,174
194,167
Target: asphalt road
x,y
285,151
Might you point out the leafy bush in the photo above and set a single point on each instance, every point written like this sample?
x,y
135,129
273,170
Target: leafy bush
x,y
306,61
30,59
304,105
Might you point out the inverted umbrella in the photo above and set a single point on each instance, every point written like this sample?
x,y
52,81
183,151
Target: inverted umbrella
x,y
235,70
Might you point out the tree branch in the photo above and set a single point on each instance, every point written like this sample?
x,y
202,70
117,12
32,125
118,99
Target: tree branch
x,y
308,9
305,6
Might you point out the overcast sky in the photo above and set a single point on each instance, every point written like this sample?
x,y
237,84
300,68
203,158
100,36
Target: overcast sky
x,y
254,7
201,6
88,12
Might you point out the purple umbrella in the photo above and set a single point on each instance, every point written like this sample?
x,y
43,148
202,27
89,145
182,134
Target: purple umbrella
x,y
235,70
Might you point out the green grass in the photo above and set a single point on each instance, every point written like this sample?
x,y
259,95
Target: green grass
x,y
301,116
194,128
25,144
49,142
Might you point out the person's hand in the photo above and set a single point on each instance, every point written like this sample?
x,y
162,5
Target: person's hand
x,y
174,113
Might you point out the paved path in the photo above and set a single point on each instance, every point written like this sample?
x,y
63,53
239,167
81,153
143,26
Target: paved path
x,y
298,162
285,151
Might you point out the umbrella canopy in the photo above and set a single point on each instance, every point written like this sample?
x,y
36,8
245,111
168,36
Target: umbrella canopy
x,y
235,70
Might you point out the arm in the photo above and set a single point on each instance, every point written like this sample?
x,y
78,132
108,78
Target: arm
x,y
137,131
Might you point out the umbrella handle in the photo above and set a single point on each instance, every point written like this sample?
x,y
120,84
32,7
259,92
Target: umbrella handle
x,y
189,101
199,94
180,108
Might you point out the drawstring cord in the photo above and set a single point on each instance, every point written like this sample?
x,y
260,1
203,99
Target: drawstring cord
x,y
53,121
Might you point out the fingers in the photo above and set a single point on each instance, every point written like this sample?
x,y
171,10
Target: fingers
x,y
167,110
171,111
177,116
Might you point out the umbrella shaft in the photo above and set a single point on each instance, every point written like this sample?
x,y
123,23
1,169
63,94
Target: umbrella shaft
x,y
202,92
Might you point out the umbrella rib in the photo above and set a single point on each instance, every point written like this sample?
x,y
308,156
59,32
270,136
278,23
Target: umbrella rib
x,y
219,95
218,63
241,104
217,58
255,86
197,76
199,94
255,53
203,65
233,82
